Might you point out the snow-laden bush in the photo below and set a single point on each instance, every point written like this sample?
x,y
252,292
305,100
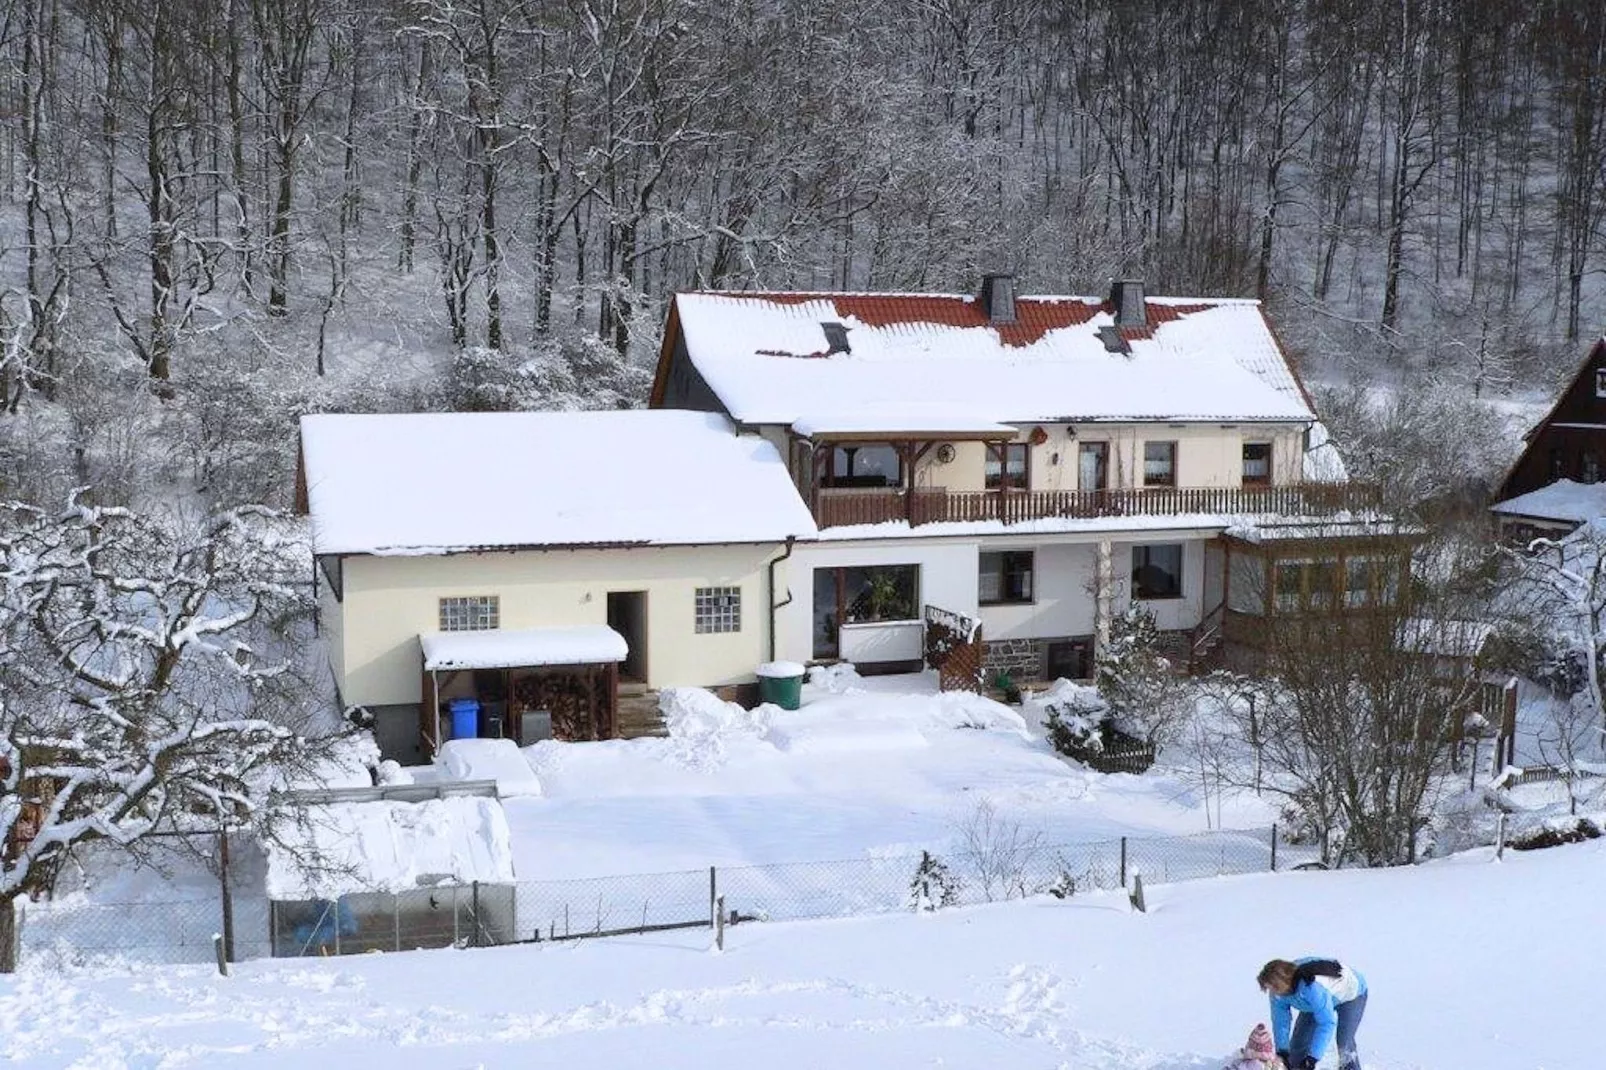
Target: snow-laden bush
x,y
838,679
933,886
1557,831
1072,716
702,725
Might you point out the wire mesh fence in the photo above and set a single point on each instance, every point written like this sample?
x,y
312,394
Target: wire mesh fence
x,y
482,915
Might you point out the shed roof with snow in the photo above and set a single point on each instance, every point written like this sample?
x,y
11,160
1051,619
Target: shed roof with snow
x,y
430,483
1563,501
840,359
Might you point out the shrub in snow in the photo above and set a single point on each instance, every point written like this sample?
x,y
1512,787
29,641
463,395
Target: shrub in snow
x,y
1557,831
1144,695
838,679
934,886
1072,717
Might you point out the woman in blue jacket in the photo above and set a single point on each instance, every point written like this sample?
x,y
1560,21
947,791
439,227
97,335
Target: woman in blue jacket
x,y
1330,998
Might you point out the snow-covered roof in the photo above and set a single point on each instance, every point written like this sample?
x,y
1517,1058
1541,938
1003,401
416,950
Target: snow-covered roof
x,y
519,647
344,848
420,483
1563,500
767,357
904,419
1444,638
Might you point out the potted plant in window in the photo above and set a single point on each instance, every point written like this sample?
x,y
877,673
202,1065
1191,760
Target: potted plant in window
x,y
886,601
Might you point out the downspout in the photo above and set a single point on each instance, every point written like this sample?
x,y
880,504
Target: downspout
x,y
776,606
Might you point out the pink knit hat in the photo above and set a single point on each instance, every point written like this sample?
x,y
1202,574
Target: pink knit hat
x,y
1260,1044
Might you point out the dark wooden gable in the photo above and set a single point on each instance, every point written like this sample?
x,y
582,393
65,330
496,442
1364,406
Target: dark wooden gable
x,y
1570,443
677,384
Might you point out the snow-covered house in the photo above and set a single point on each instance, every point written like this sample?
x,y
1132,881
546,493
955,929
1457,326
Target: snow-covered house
x,y
1034,463
1559,481
527,562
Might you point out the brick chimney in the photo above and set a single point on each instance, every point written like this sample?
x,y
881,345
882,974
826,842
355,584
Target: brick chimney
x,y
998,298
1127,297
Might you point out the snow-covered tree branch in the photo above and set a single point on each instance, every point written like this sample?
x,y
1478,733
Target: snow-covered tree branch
x,y
136,685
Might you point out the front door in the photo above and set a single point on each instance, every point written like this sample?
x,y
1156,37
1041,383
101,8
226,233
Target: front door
x,y
627,615
1093,471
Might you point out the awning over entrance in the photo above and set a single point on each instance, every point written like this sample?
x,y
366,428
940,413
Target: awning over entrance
x,y
523,648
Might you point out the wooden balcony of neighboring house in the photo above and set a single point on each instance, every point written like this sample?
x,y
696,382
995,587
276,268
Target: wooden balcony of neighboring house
x,y
840,507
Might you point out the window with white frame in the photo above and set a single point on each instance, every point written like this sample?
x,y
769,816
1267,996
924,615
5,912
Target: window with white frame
x,y
474,613
718,609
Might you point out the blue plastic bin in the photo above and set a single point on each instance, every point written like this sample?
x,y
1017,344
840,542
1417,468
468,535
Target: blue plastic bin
x,y
465,717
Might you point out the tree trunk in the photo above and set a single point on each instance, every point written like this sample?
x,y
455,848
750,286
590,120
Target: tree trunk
x,y
9,951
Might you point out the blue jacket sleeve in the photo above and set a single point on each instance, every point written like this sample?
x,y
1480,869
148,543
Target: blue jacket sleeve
x,y
1281,1020
1319,1000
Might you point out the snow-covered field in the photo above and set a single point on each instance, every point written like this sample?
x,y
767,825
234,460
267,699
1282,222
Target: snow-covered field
x,y
867,768
1474,964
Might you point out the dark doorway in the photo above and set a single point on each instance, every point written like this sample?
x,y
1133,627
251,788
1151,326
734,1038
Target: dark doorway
x,y
1070,660
627,615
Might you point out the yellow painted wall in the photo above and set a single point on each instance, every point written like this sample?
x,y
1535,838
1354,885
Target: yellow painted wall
x,y
389,601
1208,455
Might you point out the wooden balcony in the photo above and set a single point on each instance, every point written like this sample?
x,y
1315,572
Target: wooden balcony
x,y
839,508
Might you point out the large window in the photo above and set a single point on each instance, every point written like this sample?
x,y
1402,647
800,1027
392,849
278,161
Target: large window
x,y
1008,466
1159,464
861,595
1589,467
1006,577
1257,464
1157,571
865,466
718,609
1370,581
476,613
1313,584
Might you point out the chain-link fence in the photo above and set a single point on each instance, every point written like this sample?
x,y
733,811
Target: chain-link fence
x,y
482,915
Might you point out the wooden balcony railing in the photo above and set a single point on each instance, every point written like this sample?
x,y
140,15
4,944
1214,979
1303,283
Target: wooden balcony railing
x,y
838,508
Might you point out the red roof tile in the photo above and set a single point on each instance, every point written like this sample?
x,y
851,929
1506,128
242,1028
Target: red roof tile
x,y
1034,316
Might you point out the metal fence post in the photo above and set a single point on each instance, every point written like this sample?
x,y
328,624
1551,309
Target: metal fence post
x,y
475,913
719,923
1500,836
335,906
395,919
228,895
1274,848
713,897
1123,861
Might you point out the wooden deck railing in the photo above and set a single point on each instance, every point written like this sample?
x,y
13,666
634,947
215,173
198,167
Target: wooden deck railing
x,y
838,508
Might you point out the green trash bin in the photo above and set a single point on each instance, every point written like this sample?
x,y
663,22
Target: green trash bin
x,y
781,682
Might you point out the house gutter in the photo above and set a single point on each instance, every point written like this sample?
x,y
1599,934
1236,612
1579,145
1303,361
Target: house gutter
x,y
777,606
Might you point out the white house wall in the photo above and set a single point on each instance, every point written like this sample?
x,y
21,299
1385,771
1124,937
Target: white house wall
x,y
390,600
1062,582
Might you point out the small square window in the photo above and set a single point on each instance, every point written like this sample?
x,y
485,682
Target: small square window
x,y
476,613
1006,577
1159,464
1257,464
1600,382
718,609
1007,466
1157,571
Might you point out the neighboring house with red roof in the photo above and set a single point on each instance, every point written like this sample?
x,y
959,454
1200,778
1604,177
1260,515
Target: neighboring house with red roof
x,y
1033,463
1552,487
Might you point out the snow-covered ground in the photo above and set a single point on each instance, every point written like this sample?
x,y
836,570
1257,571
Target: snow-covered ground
x,y
867,768
1474,964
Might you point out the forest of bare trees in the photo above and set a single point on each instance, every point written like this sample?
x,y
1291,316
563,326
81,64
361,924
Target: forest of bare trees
x,y
217,214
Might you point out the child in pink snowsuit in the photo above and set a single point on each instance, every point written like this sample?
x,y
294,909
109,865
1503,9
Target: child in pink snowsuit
x,y
1259,1053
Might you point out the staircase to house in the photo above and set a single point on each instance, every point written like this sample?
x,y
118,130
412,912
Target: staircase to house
x,y
1205,642
638,712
